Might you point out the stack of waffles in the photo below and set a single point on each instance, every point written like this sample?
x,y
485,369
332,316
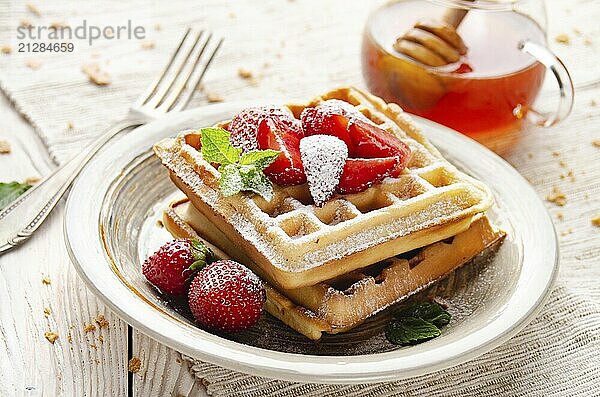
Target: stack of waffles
x,y
328,268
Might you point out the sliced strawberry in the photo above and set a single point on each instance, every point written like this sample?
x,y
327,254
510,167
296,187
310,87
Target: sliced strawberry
x,y
370,141
360,174
287,169
325,121
244,125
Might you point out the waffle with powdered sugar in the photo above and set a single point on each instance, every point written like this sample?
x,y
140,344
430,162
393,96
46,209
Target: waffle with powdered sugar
x,y
340,304
296,243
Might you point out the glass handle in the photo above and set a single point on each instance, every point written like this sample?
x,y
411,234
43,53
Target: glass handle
x,y
565,84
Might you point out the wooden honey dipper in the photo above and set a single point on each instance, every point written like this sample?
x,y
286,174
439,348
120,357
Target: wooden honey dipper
x,y
435,43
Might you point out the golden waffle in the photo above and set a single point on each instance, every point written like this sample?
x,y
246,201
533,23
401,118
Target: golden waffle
x,y
299,244
341,304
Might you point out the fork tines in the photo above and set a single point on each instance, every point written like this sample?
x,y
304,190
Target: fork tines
x,y
183,72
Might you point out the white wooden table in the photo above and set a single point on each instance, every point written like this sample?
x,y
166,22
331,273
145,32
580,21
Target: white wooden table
x,y
96,362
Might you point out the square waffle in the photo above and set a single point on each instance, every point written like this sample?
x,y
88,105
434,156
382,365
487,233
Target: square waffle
x,y
340,304
299,244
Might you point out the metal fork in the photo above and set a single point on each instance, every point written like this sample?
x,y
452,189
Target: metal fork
x,y
170,92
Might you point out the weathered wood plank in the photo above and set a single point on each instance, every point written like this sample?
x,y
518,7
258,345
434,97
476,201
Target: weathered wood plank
x,y
78,363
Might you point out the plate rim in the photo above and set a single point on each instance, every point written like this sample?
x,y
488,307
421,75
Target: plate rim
x,y
291,366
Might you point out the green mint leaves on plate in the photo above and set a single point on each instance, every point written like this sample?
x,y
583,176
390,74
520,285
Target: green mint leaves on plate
x,y
416,323
10,191
239,172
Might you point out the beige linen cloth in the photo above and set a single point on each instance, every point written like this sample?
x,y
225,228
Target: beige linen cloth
x,y
558,354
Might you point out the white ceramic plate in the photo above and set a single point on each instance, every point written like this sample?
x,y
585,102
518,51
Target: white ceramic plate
x,y
111,226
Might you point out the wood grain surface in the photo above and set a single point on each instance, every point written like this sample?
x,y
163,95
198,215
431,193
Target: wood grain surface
x,y
297,65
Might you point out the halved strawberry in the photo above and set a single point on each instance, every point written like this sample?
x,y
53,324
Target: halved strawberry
x,y
360,174
326,121
370,141
244,125
287,169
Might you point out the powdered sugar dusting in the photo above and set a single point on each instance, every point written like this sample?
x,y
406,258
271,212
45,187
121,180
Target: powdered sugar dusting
x,y
244,125
337,106
323,157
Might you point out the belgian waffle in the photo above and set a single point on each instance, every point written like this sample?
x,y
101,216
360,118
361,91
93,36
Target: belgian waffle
x,y
299,244
340,304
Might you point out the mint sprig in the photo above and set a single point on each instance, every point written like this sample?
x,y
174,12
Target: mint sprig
x,y
216,147
416,323
238,172
10,191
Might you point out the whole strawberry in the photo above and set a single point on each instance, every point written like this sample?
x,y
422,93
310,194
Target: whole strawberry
x,y
226,296
172,267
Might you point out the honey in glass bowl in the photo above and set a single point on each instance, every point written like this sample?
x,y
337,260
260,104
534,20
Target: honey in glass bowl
x,y
488,91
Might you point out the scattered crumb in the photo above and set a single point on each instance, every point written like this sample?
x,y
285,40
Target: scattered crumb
x,y
70,125
101,321
32,180
47,312
560,216
46,280
248,76
89,328
577,32
555,153
58,25
93,346
596,220
33,9
148,45
51,336
134,365
530,155
593,102
571,175
596,142
557,197
33,64
245,74
562,164
160,223
587,41
213,97
563,39
101,339
566,232
96,76
26,23
4,147
157,27
6,49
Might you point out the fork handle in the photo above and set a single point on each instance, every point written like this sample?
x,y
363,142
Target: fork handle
x,y
24,216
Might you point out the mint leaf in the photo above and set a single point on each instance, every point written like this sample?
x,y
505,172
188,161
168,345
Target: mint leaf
x,y
253,179
216,147
260,158
416,323
237,177
10,191
428,311
410,330
237,173
230,182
